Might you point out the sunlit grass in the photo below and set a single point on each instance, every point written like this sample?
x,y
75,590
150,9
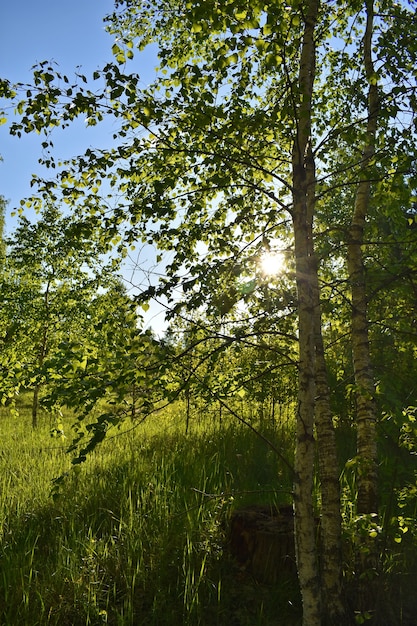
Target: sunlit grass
x,y
137,535
138,532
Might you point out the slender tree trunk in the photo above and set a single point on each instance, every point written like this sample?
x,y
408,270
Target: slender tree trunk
x,y
333,605
133,408
43,349
322,600
187,410
305,535
36,390
364,379
35,404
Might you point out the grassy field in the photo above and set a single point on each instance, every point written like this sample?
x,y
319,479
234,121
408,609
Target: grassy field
x,y
137,534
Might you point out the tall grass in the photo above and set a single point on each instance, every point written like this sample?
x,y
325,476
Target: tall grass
x,y
137,535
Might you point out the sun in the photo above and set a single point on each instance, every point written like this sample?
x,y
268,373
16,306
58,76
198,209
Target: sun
x,y
272,263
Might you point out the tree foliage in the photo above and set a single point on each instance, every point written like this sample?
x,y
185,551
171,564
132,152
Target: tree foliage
x,y
266,125
50,279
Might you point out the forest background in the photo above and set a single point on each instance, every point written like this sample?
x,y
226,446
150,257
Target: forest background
x,y
277,133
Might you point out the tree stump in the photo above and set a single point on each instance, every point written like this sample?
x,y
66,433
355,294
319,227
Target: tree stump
x,y
261,539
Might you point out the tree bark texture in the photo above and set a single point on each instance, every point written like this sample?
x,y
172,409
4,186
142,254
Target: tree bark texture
x,y
333,605
362,365
305,536
322,596
334,608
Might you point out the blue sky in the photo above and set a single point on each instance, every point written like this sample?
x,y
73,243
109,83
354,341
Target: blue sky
x,y
71,34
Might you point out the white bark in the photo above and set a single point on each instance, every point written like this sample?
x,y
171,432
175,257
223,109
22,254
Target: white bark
x,y
305,535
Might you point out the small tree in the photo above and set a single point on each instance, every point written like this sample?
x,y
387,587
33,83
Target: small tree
x,y
51,278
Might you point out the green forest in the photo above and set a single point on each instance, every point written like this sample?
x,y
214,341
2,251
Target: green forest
x,y
254,461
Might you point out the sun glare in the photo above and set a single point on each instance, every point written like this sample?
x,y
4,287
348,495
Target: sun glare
x,y
272,263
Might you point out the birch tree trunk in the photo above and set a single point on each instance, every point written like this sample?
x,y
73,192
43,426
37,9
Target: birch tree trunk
x,y
305,535
364,379
322,599
333,606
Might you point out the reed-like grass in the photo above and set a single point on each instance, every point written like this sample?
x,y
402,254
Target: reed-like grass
x,y
137,535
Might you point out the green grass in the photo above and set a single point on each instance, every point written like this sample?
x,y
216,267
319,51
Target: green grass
x,y
137,535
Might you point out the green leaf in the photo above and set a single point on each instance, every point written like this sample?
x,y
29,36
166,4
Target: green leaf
x,y
241,14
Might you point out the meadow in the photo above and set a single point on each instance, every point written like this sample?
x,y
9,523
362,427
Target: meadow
x,y
138,533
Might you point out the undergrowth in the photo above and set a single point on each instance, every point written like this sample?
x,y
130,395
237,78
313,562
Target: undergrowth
x,y
137,533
